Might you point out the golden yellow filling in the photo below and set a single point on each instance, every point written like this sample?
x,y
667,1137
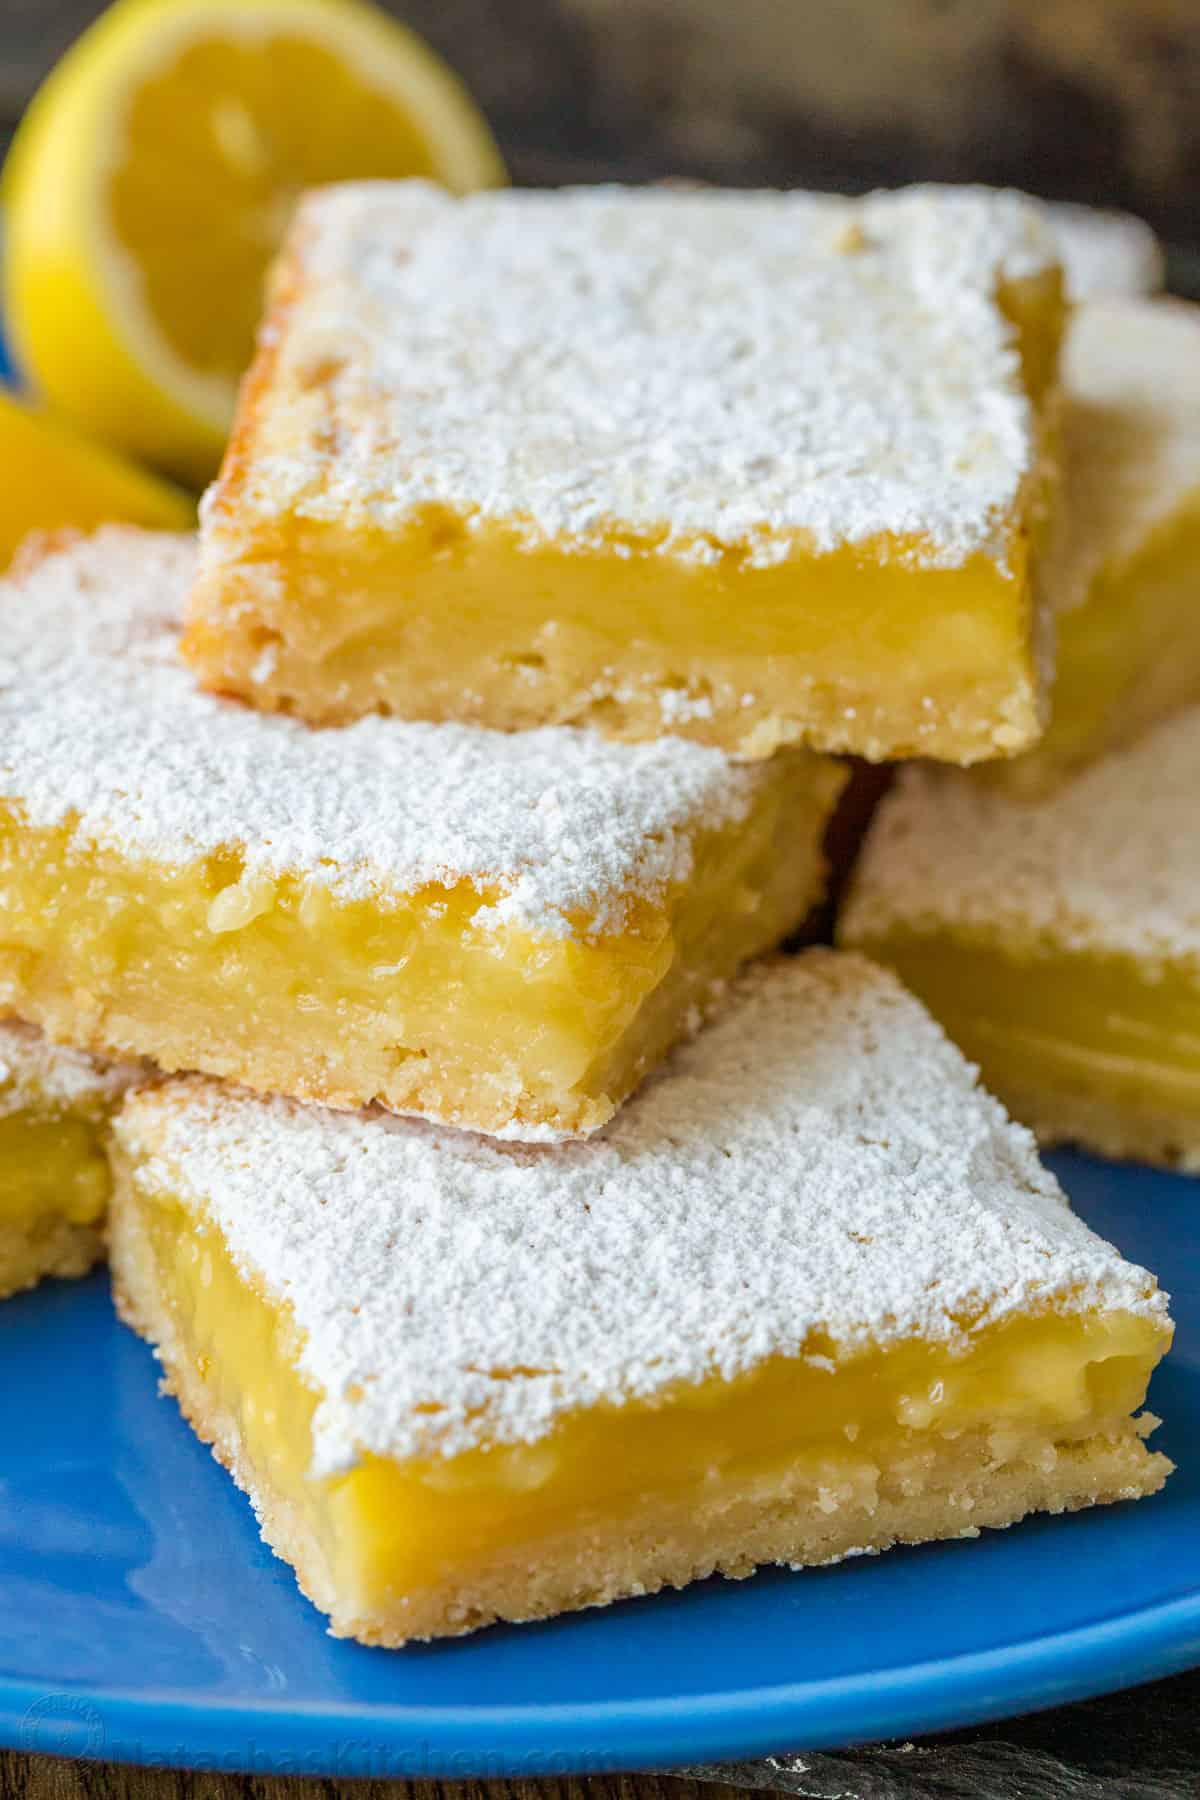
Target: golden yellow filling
x,y
1127,656
51,1164
449,620
412,998
386,1530
1107,1025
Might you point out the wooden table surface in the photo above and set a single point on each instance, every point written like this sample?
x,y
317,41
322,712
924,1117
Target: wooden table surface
x,y
1143,1744
26,1778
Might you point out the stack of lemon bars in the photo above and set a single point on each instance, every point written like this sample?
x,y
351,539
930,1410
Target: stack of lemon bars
x,y
382,874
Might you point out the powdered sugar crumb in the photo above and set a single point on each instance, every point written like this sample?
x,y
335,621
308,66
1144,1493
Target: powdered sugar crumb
x,y
1107,863
264,663
678,707
706,371
1105,254
35,1073
1131,434
105,731
819,1161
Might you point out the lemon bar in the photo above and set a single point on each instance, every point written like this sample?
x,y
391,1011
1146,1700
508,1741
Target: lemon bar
x,y
1126,569
809,1295
1058,941
1105,254
503,932
54,1180
754,469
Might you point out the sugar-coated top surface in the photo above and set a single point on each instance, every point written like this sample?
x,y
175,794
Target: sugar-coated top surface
x,y
36,1073
704,369
819,1160
103,726
1105,253
1109,862
1131,432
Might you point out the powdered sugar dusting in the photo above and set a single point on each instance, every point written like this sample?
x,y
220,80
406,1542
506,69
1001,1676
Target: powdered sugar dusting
x,y
38,1074
1105,253
1109,862
705,370
102,728
1131,433
819,1160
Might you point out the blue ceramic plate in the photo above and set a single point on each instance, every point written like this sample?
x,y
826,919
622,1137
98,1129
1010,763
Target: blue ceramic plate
x,y
142,1619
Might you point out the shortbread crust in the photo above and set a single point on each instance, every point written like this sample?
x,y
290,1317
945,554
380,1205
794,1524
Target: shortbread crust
x,y
1059,940
505,932
809,1294
54,1178
752,468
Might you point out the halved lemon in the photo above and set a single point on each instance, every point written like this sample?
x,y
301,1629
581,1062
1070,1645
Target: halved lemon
x,y
51,478
152,179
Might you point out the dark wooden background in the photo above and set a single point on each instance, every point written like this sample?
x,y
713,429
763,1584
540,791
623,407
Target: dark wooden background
x,y
1092,99
1097,100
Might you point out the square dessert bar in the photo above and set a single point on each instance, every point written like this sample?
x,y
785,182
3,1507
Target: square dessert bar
x,y
809,1295
1058,941
54,1179
752,468
1125,572
503,932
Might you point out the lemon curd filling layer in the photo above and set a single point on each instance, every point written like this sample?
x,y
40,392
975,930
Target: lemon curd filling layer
x,y
388,1529
759,522
54,1172
861,649
51,1165
417,1000
1056,1033
54,1187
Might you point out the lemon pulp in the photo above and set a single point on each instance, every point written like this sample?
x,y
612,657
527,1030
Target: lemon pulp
x,y
153,177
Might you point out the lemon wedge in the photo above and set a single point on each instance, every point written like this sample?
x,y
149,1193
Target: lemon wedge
x,y
149,185
51,479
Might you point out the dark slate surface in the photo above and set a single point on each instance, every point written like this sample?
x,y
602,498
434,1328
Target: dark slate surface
x,y
1143,1744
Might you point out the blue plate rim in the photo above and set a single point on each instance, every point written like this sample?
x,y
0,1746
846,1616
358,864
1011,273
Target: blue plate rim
x,y
1119,1651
